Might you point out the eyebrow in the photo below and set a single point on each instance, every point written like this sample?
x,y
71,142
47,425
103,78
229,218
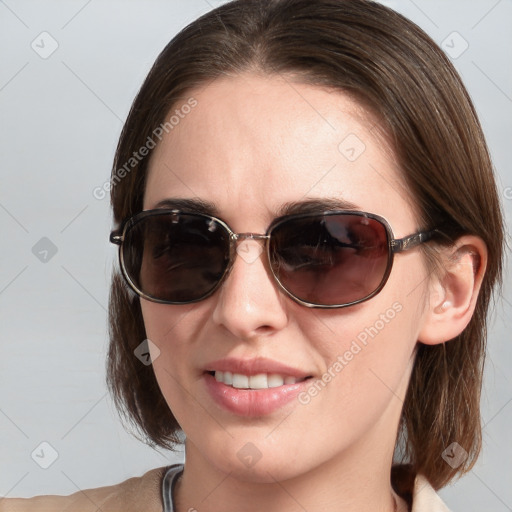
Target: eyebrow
x,y
308,205
190,205
316,205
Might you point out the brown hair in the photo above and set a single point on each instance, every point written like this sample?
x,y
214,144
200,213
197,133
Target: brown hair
x,y
393,68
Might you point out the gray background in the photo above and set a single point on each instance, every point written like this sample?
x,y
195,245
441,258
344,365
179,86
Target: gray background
x,y
60,120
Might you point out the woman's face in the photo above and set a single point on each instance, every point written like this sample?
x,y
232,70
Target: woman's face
x,y
249,146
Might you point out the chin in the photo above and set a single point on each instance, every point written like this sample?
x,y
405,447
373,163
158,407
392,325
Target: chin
x,y
261,472
257,462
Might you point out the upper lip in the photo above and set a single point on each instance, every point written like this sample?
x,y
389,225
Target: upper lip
x,y
254,366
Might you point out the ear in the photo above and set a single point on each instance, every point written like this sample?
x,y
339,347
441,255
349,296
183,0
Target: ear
x,y
454,291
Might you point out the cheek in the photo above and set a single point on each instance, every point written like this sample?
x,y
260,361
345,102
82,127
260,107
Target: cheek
x,y
165,322
358,343
170,328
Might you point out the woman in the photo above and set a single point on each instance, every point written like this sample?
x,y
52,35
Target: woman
x,y
309,237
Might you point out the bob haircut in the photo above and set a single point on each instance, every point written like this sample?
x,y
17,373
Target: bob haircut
x,y
398,74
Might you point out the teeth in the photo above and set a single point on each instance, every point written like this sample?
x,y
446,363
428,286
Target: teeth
x,y
240,381
259,381
274,381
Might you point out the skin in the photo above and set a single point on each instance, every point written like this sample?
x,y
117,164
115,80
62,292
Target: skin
x,y
250,145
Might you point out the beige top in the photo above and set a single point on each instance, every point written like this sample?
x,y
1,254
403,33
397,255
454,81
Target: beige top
x,y
144,494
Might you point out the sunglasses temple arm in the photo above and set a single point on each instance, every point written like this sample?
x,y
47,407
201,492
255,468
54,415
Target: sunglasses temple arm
x,y
408,242
116,237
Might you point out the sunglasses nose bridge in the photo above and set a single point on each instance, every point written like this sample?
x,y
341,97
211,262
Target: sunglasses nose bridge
x,y
248,252
240,237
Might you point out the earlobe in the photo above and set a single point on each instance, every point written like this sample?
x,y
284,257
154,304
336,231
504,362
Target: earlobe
x,y
454,292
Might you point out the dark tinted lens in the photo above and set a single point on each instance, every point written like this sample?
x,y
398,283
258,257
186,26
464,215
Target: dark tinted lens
x,y
176,257
330,259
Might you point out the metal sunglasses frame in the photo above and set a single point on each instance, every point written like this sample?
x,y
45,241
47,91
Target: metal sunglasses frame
x,y
395,246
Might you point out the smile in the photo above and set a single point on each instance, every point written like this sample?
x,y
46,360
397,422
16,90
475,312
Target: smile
x,y
258,381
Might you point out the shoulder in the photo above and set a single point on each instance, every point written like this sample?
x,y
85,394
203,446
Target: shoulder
x,y
425,498
416,490
137,493
144,493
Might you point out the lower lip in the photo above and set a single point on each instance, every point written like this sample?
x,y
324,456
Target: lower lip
x,y
251,403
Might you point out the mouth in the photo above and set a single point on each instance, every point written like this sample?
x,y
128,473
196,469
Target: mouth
x,y
255,382
253,388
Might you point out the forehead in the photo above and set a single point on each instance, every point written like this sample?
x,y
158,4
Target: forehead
x,y
252,143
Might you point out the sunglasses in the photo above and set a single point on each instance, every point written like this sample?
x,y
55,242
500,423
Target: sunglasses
x,y
331,259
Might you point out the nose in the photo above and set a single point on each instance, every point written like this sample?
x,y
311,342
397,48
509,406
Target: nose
x,y
249,302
